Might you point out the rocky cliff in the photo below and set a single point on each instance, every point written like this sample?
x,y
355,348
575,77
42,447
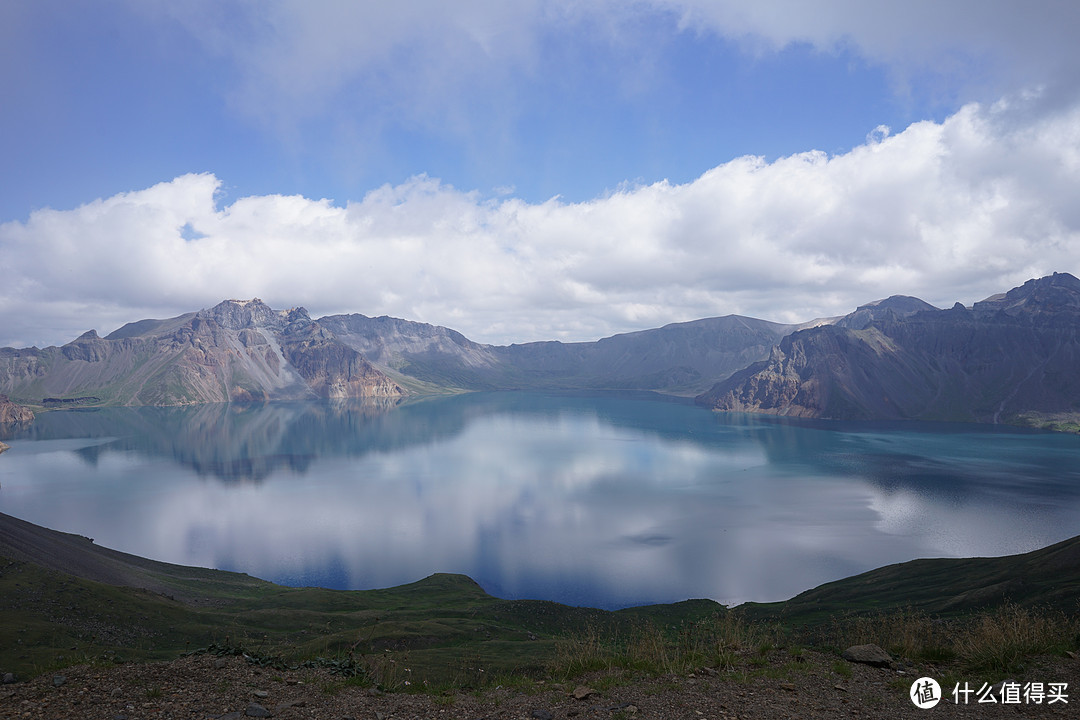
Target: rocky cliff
x,y
235,351
13,414
330,367
428,356
1012,358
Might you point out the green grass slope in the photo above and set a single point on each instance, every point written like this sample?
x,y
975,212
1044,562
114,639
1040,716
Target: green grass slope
x,y
65,600
1048,578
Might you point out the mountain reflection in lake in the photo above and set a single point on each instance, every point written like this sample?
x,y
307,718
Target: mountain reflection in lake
x,y
594,500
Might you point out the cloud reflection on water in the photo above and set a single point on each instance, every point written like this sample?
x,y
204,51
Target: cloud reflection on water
x,y
600,501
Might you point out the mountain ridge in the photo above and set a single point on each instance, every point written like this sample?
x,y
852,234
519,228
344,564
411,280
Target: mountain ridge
x,y
235,351
243,350
673,358
1011,358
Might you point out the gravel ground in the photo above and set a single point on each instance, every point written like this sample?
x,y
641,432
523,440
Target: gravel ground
x,y
201,687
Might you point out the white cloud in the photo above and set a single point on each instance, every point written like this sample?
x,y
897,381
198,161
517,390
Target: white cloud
x,y
413,60
989,44
947,211
404,61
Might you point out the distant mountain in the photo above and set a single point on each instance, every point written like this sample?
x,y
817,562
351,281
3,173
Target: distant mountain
x,y
244,350
235,351
419,355
899,305
686,356
674,357
1012,358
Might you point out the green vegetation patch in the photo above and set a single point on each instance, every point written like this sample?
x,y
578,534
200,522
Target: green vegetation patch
x,y
988,616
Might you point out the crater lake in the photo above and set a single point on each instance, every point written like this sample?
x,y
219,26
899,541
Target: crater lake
x,y
587,499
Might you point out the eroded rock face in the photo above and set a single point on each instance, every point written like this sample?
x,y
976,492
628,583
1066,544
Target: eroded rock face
x,y
88,347
13,413
331,368
1010,356
236,351
240,314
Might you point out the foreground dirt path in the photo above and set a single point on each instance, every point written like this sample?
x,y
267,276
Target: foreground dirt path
x,y
203,687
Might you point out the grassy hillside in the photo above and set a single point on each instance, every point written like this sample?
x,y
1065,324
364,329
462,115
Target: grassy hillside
x,y
65,600
1046,578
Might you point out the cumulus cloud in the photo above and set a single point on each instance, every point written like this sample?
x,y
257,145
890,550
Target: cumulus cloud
x,y
947,211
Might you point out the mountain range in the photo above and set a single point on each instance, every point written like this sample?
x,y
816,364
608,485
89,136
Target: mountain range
x,y
1010,358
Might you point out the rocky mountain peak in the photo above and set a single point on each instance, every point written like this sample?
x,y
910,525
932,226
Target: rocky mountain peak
x,y
1012,358
242,314
1055,293
88,347
1058,286
893,306
297,314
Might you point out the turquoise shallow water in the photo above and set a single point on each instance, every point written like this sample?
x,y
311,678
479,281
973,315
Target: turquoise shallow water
x,y
598,500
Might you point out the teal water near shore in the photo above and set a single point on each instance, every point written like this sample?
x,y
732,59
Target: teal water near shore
x,y
600,500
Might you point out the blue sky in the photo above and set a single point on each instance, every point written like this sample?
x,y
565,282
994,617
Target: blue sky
x,y
108,100
529,170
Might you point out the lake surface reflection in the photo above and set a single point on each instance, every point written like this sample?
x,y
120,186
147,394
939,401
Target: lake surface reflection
x,y
599,500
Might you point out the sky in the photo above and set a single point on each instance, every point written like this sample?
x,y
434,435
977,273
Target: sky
x,y
529,170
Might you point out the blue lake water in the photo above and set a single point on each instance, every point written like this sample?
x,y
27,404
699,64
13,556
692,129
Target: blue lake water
x,y
597,500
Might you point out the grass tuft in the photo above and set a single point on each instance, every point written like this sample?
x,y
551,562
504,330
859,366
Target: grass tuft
x,y
649,649
998,641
